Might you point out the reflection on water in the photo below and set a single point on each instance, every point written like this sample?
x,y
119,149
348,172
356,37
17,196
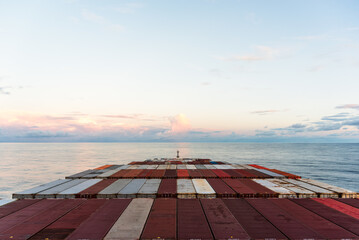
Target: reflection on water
x,y
24,165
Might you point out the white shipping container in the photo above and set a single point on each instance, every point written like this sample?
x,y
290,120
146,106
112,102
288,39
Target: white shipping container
x,y
342,191
149,189
203,188
52,192
283,192
130,224
320,191
209,166
190,166
29,193
185,188
112,190
131,188
71,192
300,191
272,174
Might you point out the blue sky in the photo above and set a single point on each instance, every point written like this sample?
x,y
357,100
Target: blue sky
x,y
197,70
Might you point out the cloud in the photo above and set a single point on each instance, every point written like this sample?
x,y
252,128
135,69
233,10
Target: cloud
x,y
92,17
179,124
261,53
350,106
316,68
264,112
337,117
298,125
310,37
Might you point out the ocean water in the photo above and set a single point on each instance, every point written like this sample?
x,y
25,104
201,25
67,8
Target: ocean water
x,y
25,165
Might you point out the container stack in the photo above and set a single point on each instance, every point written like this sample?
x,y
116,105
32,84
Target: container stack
x,y
181,199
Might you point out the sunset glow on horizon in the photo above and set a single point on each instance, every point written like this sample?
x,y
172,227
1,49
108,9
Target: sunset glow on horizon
x,y
85,71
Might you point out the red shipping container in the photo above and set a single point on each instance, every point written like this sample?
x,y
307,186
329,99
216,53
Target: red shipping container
x,y
240,188
220,173
258,174
233,173
221,188
285,222
119,174
64,226
254,223
92,191
347,222
167,188
245,173
103,167
157,173
170,173
39,221
16,206
223,224
316,223
192,223
261,190
145,173
339,206
182,173
161,222
101,221
207,173
354,202
194,173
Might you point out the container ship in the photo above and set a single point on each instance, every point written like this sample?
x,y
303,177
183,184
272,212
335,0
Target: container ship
x,y
181,198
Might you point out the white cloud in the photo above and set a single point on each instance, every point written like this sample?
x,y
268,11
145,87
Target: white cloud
x,y
261,53
180,124
92,17
129,8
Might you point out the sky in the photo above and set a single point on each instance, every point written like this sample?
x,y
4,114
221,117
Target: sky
x,y
194,70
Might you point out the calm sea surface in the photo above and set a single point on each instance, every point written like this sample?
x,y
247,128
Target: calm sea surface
x,y
24,165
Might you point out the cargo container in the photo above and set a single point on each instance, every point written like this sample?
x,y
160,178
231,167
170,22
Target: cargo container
x,y
258,174
110,172
300,191
161,222
224,166
221,188
321,192
182,173
131,189
162,167
209,166
311,220
72,191
233,173
238,166
30,193
217,213
181,166
343,220
120,173
192,223
130,224
65,225
253,222
203,188
5,201
194,173
94,174
52,192
173,167
207,173
92,191
350,201
220,173
285,222
157,173
149,189
189,166
339,206
112,190
167,188
270,173
152,166
343,193
185,188
240,188
104,167
40,220
100,222
288,175
80,174
245,173
200,166
170,173
283,192
143,166
261,190
134,167
16,205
